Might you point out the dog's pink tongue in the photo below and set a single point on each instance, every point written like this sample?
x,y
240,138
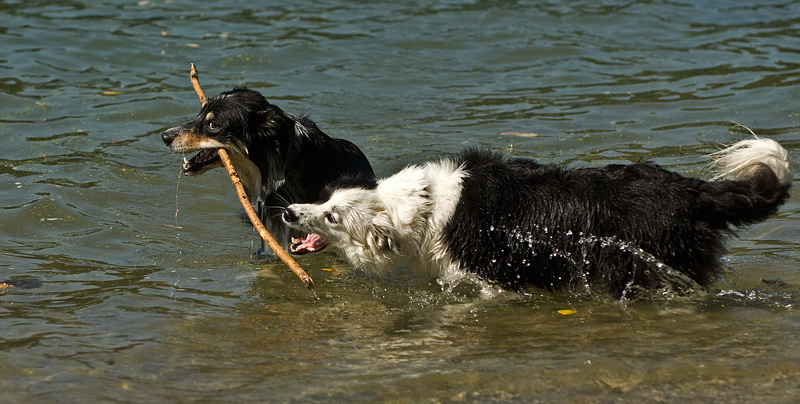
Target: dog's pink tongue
x,y
310,243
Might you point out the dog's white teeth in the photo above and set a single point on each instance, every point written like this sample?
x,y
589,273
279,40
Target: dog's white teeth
x,y
185,161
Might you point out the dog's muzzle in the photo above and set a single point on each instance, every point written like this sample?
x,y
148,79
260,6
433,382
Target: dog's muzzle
x,y
169,135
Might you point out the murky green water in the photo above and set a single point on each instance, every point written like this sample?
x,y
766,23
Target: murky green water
x,y
149,292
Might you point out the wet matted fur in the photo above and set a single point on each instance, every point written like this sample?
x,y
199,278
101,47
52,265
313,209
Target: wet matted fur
x,y
516,223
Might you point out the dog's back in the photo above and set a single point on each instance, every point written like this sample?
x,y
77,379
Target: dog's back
x,y
518,222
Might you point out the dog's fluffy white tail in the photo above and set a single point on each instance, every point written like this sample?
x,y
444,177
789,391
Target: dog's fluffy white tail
x,y
742,159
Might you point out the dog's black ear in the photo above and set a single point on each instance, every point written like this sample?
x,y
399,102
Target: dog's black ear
x,y
266,117
276,122
382,235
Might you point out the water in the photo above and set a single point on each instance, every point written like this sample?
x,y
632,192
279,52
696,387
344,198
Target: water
x,y
148,298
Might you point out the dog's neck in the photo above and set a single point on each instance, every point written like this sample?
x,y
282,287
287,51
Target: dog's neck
x,y
249,174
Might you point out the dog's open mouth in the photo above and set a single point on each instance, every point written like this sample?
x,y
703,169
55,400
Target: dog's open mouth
x,y
308,244
198,163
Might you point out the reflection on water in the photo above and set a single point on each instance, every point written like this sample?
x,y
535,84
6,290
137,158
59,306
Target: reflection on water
x,y
122,293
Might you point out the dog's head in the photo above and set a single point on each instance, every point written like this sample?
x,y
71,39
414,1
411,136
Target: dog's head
x,y
240,121
254,132
349,213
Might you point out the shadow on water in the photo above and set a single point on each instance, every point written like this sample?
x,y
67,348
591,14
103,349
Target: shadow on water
x,y
404,339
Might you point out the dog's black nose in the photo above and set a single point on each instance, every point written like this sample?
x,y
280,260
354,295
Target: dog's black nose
x,y
289,216
169,135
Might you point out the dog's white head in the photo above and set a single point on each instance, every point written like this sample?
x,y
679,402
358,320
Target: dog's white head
x,y
347,218
378,224
350,216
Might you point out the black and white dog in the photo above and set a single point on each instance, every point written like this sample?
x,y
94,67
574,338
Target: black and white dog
x,y
518,223
281,158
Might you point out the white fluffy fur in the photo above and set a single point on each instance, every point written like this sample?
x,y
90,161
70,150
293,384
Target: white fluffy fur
x,y
741,159
401,220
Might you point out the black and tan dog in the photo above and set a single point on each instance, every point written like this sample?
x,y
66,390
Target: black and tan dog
x,y
281,158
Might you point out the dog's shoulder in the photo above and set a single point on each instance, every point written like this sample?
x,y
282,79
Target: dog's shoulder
x,y
409,182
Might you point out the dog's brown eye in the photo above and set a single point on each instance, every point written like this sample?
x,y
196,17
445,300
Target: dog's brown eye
x,y
212,126
329,217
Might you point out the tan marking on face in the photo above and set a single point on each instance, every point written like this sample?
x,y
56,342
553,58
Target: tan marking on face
x,y
189,141
209,116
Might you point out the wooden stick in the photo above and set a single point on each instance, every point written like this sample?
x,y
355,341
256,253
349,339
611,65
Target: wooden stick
x,y
196,85
248,207
251,213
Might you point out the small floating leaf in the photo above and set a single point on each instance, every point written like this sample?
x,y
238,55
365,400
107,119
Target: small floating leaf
x,y
567,312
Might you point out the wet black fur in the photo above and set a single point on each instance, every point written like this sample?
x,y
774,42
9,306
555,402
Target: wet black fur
x,y
281,145
521,223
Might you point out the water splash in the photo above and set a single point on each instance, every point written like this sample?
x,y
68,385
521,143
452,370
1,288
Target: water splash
x,y
468,284
773,294
652,279
177,235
